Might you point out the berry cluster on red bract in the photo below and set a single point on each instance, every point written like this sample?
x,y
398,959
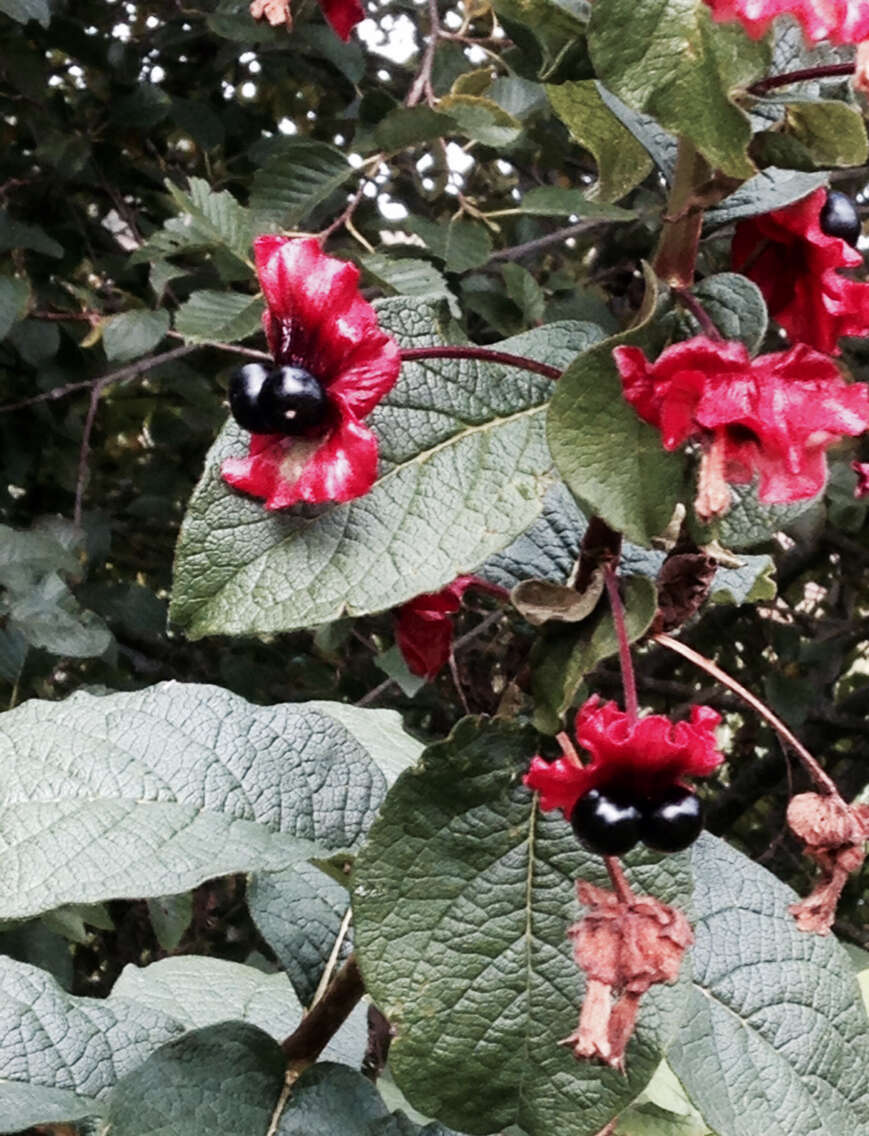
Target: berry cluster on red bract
x,y
648,755
772,417
424,626
840,21
317,320
797,266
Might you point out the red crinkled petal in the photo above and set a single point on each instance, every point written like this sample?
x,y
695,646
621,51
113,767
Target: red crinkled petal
x,y
840,21
343,15
424,630
772,417
796,267
285,471
317,319
647,755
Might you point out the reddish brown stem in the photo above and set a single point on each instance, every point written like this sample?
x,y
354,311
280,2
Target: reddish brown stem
x,y
484,354
620,885
629,683
806,74
823,782
676,254
693,305
317,1028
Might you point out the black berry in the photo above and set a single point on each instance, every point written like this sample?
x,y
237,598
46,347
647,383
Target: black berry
x,y
839,218
672,822
245,386
293,400
606,823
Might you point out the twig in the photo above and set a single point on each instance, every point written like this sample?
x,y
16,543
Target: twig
x,y
316,1029
232,348
805,74
693,305
375,693
517,252
617,878
411,354
324,234
130,372
85,449
823,782
457,683
422,85
326,976
629,683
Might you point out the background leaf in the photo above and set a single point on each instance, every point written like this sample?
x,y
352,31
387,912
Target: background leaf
x,y
132,334
226,316
776,1039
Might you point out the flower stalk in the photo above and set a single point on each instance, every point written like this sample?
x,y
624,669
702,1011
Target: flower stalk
x,y
629,683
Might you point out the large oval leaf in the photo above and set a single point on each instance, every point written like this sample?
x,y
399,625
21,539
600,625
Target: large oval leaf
x,y
462,897
150,793
776,1041
464,467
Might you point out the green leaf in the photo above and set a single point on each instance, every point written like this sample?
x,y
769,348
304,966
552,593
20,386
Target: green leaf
x,y
558,27
563,657
17,235
223,316
482,120
332,1100
299,913
463,470
660,144
558,201
612,461
769,190
14,295
72,1047
411,126
144,107
754,580
662,1109
749,522
462,243
170,917
133,334
524,291
408,276
197,991
833,133
670,60
153,792
224,1080
24,10
216,218
298,176
776,1039
622,162
736,307
461,899
548,548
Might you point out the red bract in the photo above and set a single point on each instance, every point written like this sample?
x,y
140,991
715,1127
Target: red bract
x,y
424,627
771,417
317,320
647,755
840,21
796,267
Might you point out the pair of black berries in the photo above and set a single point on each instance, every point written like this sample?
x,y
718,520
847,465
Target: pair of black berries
x,y
611,822
839,218
279,400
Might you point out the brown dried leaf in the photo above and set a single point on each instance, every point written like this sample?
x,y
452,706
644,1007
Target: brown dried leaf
x,y
542,600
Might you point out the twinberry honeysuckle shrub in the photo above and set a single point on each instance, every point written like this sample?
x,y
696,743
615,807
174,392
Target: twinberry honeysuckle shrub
x,y
772,417
840,21
317,322
797,266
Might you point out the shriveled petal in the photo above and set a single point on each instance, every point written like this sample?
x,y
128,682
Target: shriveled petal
x,y
286,471
343,15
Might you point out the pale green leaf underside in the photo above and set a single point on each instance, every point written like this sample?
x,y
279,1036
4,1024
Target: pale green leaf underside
x,y
464,467
150,793
776,1041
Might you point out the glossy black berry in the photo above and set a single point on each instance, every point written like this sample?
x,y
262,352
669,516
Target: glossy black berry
x,y
839,218
606,823
245,386
293,401
672,822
